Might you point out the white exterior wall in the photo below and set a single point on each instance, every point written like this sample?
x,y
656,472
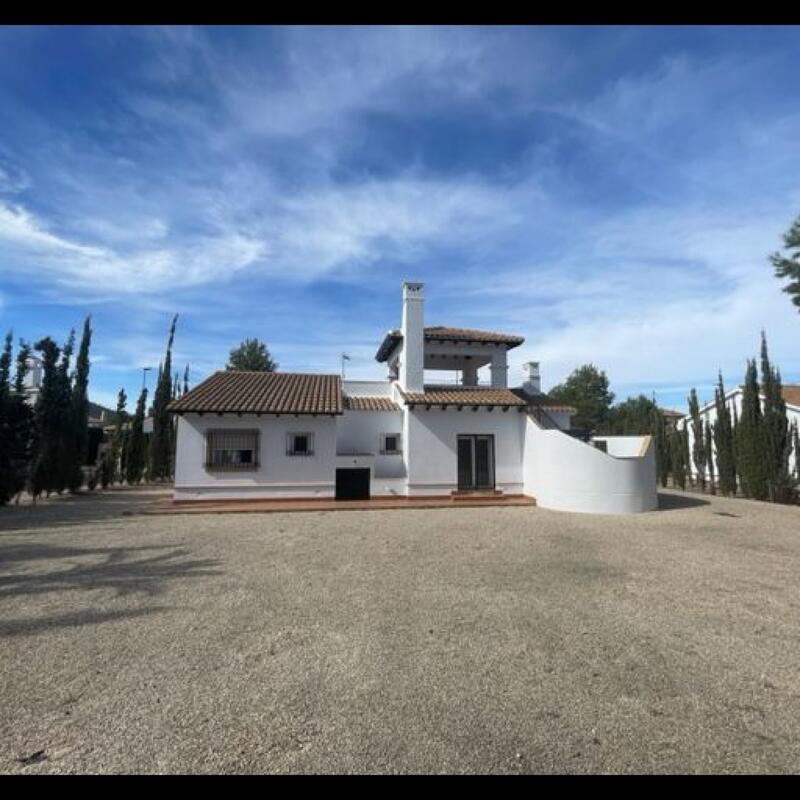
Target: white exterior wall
x,y
561,418
278,475
565,474
367,388
430,445
360,432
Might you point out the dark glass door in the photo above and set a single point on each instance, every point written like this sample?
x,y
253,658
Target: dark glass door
x,y
465,462
475,462
483,463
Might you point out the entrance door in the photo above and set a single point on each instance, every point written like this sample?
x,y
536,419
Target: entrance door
x,y
352,484
475,462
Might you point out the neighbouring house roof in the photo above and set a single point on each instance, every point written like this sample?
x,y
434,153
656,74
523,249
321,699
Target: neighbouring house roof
x,y
370,404
439,333
232,391
463,397
791,394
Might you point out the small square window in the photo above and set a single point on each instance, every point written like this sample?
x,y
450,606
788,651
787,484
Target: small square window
x,y
390,444
300,444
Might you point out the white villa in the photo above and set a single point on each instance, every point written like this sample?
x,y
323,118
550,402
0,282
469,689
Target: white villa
x,y
733,399
289,435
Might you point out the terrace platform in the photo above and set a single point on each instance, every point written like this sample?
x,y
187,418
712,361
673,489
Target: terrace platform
x,y
328,504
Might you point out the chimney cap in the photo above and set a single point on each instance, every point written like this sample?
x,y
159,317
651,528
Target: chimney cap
x,y
412,287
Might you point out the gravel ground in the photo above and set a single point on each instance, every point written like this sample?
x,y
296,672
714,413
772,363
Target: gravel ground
x,y
463,640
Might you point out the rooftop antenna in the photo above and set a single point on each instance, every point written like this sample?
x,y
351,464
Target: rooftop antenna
x,y
344,357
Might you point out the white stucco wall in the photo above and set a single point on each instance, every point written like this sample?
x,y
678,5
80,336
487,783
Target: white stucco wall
x,y
565,474
431,437
622,446
561,418
360,432
278,475
367,388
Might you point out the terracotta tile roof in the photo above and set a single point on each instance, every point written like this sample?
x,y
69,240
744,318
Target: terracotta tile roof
x,y
474,396
472,335
370,404
791,394
441,333
264,393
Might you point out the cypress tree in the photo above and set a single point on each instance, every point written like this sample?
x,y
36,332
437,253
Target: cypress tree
x,y
661,444
723,442
685,456
6,469
110,471
777,443
47,424
161,442
186,379
736,448
710,455
5,366
67,453
136,455
80,408
796,448
118,442
677,459
698,439
16,421
750,439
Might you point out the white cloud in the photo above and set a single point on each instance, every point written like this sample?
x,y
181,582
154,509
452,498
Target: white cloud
x,y
26,241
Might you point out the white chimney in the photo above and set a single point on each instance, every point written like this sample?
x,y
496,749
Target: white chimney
x,y
533,381
412,328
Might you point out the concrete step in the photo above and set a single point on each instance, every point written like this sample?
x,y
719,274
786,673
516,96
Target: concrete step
x,y
468,495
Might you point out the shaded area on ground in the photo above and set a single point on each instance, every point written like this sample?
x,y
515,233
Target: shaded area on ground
x,y
669,500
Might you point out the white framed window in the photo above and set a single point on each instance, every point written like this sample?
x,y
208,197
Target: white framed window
x,y
232,450
299,444
391,444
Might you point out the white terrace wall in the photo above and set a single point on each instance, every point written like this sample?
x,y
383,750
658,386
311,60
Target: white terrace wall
x,y
430,446
361,431
565,474
367,388
278,475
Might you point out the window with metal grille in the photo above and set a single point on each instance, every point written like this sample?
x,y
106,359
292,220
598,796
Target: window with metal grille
x,y
299,444
232,450
390,444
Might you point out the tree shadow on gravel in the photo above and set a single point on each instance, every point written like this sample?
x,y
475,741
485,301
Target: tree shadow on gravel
x,y
126,570
28,626
81,509
669,502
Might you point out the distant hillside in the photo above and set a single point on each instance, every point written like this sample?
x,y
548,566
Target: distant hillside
x,y
97,412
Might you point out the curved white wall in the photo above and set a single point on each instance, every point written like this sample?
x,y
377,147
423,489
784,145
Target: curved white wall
x,y
565,474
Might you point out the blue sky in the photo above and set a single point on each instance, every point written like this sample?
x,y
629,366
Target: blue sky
x,y
611,194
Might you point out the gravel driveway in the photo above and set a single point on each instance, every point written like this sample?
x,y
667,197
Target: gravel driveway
x,y
463,640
